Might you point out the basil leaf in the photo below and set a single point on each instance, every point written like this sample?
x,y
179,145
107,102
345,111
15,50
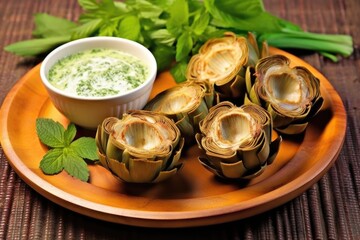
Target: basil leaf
x,y
52,162
50,26
162,36
179,17
88,4
200,23
51,133
164,56
164,4
85,147
236,7
129,28
87,29
183,46
35,47
254,22
179,71
146,9
109,28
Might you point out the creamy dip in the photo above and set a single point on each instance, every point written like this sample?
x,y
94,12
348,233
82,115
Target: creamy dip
x,y
98,72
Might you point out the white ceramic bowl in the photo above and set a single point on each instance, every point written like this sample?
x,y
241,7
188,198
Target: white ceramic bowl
x,y
89,112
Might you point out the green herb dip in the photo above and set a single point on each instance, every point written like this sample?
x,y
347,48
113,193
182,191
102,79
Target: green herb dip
x,y
98,72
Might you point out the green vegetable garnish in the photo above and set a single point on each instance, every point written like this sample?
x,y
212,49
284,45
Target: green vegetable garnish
x,y
175,29
65,153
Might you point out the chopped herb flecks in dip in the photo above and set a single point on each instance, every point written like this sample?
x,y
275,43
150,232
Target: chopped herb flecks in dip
x,y
98,72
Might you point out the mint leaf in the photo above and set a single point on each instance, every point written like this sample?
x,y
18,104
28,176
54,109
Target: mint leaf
x,y
75,166
51,133
85,147
69,134
65,154
52,162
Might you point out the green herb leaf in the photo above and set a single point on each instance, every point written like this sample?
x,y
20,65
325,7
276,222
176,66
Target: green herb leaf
x,y
162,36
65,153
164,56
200,23
35,47
51,133
129,28
85,147
179,71
52,162
145,9
253,21
88,4
69,134
75,166
87,29
236,8
179,17
183,46
45,26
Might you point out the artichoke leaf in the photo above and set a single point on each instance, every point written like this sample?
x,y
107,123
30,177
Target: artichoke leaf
x,y
143,170
233,170
103,159
163,175
274,149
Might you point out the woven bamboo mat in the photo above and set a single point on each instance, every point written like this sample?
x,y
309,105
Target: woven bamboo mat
x,y
330,209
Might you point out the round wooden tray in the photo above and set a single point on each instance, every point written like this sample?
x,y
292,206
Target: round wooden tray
x,y
194,197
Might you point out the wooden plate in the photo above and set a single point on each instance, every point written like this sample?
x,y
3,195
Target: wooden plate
x,y
194,197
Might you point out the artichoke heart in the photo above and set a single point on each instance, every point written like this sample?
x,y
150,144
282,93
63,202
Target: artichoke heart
x,y
291,95
237,141
142,147
187,104
222,62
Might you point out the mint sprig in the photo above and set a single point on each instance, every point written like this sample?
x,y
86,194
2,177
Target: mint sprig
x,y
65,153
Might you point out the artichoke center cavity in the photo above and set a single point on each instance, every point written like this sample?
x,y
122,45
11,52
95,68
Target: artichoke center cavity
x,y
181,102
235,130
286,90
142,136
221,64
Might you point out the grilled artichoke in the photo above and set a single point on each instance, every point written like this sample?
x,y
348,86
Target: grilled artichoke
x,y
222,62
142,147
187,104
237,141
291,95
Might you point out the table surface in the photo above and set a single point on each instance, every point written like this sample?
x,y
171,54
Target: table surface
x,y
330,209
